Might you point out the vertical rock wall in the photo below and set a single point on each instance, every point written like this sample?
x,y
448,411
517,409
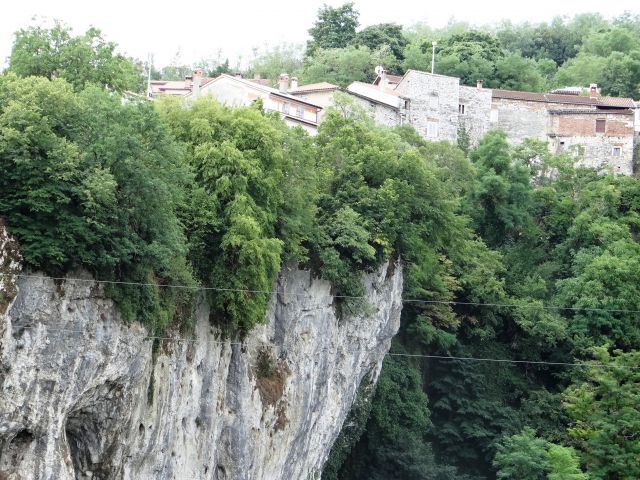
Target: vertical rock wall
x,y
82,394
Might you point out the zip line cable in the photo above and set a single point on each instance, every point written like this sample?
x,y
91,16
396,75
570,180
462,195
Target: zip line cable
x,y
347,297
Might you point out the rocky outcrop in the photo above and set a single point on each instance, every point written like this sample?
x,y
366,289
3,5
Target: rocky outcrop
x,y
84,395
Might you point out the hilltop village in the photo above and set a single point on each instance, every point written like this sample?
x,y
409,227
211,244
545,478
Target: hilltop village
x,y
600,131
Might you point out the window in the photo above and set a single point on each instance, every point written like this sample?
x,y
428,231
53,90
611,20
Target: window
x,y
601,125
617,151
461,109
299,111
285,107
434,101
432,129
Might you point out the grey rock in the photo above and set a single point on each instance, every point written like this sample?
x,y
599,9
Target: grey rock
x,y
82,396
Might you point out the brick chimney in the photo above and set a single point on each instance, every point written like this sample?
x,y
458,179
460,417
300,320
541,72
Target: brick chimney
x,y
479,84
283,82
593,90
196,80
294,84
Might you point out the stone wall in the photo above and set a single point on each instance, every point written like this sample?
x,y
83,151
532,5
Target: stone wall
x,y
380,113
435,100
520,119
576,131
477,109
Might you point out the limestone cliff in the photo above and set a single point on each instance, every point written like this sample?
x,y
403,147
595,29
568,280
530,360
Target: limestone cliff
x,y
84,395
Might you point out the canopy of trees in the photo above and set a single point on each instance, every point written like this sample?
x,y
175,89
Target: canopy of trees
x,y
510,253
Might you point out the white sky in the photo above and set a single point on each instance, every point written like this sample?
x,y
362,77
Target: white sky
x,y
201,29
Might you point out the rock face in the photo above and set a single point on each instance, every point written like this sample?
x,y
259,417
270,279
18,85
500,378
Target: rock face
x,y
84,395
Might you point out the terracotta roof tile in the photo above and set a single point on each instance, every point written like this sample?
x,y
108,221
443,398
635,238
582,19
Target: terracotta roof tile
x,y
315,87
559,98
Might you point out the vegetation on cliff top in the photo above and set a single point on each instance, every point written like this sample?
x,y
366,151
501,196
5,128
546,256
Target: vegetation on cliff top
x,y
514,263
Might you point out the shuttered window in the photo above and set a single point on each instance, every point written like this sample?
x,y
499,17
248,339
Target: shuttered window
x,y
601,125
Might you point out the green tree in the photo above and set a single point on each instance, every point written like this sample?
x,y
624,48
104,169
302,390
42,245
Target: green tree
x,y
334,28
606,415
522,456
394,443
345,65
390,34
81,60
284,58
502,191
94,183
564,464
233,217
470,55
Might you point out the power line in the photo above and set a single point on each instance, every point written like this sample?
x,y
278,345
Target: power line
x,y
145,337
352,297
502,360
410,355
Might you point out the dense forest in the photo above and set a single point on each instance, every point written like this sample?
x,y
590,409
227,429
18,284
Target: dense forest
x,y
511,254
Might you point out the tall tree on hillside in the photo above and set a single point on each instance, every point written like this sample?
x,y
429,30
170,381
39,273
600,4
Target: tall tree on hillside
x,y
81,60
390,34
334,28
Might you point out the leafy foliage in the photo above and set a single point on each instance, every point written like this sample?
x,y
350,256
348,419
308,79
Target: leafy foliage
x,y
81,60
91,182
334,27
606,414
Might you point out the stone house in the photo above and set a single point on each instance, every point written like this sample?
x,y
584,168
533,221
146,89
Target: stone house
x,y
385,105
601,132
597,130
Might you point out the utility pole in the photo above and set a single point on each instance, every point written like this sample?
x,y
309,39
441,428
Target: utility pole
x,y
433,56
149,91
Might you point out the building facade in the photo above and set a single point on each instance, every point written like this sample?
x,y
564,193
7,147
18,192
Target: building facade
x,y
600,132
236,91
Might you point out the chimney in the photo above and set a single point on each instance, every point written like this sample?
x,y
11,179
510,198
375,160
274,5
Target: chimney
x,y
283,82
238,75
479,84
384,81
196,79
593,90
294,84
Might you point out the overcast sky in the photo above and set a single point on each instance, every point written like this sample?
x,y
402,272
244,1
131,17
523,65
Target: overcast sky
x,y
201,29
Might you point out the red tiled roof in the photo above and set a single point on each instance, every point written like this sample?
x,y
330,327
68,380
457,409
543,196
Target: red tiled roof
x,y
261,81
614,102
617,111
314,87
177,87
